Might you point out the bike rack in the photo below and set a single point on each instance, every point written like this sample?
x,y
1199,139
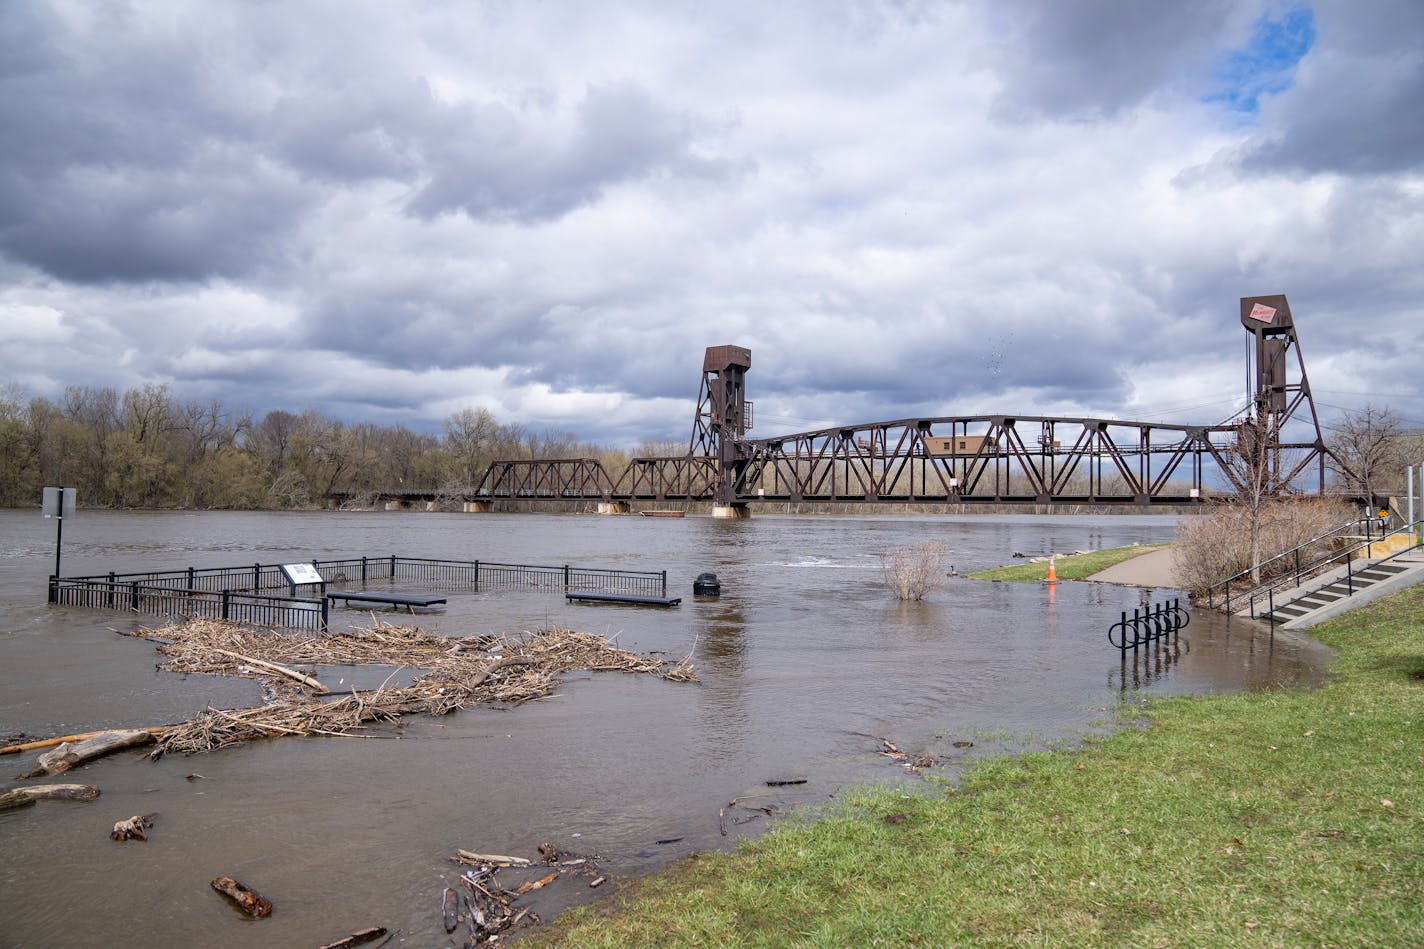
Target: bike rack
x,y
1147,625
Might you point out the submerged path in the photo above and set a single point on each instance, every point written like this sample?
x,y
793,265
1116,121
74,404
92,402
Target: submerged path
x,y
1157,568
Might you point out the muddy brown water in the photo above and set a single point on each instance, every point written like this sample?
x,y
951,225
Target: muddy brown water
x,y
804,659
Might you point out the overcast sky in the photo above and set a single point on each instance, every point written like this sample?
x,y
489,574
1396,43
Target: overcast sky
x,y
390,211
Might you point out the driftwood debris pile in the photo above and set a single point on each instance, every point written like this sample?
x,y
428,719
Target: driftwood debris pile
x,y
461,673
486,908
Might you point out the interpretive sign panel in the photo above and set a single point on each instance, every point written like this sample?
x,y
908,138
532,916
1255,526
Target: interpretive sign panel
x,y
300,573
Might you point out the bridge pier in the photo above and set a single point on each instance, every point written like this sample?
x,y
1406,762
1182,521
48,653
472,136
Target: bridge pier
x,y
614,507
477,507
734,512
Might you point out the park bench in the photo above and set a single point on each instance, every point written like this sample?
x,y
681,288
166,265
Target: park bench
x,y
633,598
395,600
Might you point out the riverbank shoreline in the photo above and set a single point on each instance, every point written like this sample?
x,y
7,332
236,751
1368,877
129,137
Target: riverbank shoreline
x,y
1283,816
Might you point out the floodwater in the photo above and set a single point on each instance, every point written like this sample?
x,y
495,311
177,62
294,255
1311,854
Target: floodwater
x,y
804,659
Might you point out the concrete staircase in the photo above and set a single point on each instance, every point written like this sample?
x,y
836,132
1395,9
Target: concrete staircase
x,y
1345,588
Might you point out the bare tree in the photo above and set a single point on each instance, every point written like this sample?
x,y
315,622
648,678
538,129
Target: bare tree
x,y
912,571
1251,464
1370,445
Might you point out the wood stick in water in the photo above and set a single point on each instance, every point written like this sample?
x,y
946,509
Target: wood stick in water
x,y
46,743
492,859
282,670
357,938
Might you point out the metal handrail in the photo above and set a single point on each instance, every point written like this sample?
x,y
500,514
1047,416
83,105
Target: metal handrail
x,y
1294,577
1225,585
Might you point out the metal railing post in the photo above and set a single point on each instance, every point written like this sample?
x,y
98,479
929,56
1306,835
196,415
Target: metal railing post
x,y
226,603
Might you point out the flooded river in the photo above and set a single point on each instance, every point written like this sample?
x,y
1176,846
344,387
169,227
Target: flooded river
x,y
804,659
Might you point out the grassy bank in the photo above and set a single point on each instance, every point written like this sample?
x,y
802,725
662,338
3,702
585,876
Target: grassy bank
x,y
1273,818
1071,567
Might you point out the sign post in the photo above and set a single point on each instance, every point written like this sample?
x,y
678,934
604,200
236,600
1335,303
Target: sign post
x,y
57,503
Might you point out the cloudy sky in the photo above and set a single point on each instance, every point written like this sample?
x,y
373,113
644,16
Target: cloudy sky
x,y
390,211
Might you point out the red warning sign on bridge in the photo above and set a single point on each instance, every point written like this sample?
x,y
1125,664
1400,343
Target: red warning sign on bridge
x,y
1263,313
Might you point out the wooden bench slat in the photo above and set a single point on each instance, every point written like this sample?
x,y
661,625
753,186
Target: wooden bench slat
x,y
394,599
625,598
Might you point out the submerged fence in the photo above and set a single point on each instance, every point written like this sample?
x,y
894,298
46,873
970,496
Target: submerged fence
x,y
157,599
262,594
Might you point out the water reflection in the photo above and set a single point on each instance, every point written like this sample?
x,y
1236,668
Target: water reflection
x,y
1149,663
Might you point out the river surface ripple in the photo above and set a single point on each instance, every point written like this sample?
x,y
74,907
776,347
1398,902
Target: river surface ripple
x,y
803,658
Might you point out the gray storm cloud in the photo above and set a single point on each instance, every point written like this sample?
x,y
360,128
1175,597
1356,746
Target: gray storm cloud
x,y
901,208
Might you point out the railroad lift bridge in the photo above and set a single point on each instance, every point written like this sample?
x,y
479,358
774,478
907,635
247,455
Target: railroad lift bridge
x,y
1274,446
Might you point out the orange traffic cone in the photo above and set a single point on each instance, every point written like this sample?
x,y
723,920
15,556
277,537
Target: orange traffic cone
x,y
1052,570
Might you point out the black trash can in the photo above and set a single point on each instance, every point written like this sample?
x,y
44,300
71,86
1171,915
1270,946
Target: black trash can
x,y
706,584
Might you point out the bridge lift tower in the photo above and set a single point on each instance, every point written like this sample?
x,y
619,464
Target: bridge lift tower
x,y
722,420
1268,458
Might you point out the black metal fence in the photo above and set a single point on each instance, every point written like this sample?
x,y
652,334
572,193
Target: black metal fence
x,y
158,599
1148,624
261,593
477,574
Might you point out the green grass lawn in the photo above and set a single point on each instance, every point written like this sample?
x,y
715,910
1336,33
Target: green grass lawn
x,y
1071,567
1270,818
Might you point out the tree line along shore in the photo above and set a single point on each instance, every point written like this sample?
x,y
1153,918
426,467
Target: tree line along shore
x,y
150,448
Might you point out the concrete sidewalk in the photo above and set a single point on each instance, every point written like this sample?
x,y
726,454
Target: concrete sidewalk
x,y
1155,569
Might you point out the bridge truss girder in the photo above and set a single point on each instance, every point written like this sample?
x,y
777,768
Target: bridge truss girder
x,y
1036,459
987,458
560,479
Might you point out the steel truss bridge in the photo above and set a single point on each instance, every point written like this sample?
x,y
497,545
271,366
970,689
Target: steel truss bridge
x,y
1276,447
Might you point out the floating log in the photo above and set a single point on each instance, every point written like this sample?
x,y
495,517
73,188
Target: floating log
x,y
450,908
597,882
357,938
68,755
490,859
306,680
539,884
784,782
24,797
548,852
246,899
135,828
